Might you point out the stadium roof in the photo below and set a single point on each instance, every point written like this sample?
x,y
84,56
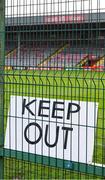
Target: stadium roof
x,y
32,12
55,19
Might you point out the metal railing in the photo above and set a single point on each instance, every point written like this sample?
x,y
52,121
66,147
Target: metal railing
x,y
52,120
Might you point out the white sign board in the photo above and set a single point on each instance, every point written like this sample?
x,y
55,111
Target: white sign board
x,y
60,129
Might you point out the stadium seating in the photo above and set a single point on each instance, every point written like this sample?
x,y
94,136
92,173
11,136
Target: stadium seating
x,y
28,56
10,47
66,58
33,56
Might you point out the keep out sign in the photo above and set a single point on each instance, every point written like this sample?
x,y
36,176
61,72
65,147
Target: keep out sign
x,y
62,129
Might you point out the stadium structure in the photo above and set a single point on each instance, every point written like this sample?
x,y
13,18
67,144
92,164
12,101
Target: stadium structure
x,y
56,41
39,44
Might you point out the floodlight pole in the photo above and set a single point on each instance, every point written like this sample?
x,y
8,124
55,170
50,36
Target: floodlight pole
x,y
2,58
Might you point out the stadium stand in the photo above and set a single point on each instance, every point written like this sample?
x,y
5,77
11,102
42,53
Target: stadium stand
x,y
65,60
28,56
73,57
51,56
10,47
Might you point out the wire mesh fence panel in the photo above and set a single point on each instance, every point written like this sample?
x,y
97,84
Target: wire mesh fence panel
x,y
52,89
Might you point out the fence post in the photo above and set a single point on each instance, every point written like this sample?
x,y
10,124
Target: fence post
x,y
2,58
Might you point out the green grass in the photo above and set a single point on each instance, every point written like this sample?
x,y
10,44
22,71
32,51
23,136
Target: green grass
x,y
70,85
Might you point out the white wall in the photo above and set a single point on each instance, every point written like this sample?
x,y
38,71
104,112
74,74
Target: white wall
x,y
16,8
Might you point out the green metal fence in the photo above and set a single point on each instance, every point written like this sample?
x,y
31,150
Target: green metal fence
x,y
52,81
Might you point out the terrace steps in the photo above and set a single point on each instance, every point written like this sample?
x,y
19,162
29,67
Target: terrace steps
x,y
100,61
82,61
44,63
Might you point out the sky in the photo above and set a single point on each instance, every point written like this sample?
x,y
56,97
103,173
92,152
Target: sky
x,y
17,8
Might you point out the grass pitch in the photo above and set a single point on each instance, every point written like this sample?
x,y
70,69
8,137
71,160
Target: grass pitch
x,y
70,85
